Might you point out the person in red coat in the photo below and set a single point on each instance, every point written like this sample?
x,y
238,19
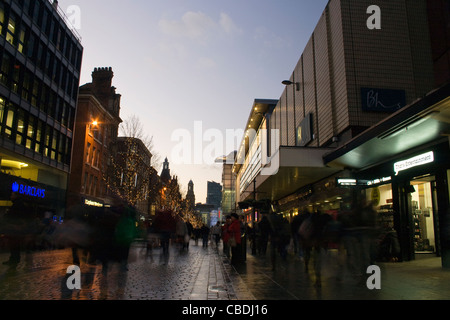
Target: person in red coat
x,y
226,236
234,230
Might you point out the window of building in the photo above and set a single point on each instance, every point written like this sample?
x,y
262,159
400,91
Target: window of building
x,y
26,86
5,69
20,129
2,112
47,146
35,92
37,146
88,150
21,39
16,77
11,30
2,18
9,121
30,132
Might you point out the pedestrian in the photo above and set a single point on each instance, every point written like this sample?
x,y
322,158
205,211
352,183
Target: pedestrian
x,y
19,221
190,229
205,235
226,236
264,232
182,233
125,234
234,241
244,235
216,231
165,225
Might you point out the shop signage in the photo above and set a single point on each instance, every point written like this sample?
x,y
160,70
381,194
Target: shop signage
x,y
361,182
92,203
26,190
382,100
414,162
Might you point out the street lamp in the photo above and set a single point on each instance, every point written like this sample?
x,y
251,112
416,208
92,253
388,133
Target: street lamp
x,y
290,83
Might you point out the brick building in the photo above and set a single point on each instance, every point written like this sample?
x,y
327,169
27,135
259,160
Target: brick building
x,y
96,128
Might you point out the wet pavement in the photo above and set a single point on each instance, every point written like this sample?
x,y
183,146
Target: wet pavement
x,y
205,274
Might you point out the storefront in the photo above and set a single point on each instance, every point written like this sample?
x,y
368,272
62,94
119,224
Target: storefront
x,y
415,202
402,164
40,198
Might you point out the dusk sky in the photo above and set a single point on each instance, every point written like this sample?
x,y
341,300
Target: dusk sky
x,y
186,64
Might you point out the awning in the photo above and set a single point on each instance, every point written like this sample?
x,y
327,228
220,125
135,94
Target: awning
x,y
298,167
423,122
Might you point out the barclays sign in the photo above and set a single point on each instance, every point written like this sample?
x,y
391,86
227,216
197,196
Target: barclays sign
x,y
26,190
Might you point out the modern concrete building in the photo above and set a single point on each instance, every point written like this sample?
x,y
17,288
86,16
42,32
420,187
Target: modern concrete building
x,y
359,109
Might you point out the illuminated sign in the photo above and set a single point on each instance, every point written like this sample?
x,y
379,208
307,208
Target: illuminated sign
x,y
414,162
28,190
92,203
361,182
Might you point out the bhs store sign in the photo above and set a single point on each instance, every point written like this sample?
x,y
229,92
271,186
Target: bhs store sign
x,y
27,190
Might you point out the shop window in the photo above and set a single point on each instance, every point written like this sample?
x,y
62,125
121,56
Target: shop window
x,y
423,215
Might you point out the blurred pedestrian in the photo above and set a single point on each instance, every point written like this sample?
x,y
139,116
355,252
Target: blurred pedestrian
x,y
216,232
226,236
19,222
234,241
182,233
165,225
204,231
125,234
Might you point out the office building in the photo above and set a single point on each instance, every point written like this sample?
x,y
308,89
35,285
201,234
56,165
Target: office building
x,y
40,62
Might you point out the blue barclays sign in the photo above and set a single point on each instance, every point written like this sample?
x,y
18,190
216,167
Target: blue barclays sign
x,y
28,190
382,100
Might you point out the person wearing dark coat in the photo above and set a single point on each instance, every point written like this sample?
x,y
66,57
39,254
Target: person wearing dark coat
x,y
19,220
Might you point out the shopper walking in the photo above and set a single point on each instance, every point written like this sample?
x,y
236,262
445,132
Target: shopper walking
x,y
234,241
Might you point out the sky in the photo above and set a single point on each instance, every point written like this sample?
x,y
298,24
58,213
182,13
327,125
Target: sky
x,y
191,69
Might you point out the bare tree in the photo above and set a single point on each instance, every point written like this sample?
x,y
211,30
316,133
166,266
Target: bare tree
x,y
132,127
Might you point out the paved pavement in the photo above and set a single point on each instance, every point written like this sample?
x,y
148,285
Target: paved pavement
x,y
205,274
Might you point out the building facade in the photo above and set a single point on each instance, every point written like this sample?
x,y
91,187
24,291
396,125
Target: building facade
x,y
130,174
96,128
39,78
358,100
214,194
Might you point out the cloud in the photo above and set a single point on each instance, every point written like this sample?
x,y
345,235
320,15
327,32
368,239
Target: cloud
x,y
206,63
198,26
228,24
193,25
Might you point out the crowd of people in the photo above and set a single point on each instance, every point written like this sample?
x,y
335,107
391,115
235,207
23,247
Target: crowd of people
x,y
106,234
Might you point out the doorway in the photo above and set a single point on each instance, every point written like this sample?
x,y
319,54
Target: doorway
x,y
424,215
